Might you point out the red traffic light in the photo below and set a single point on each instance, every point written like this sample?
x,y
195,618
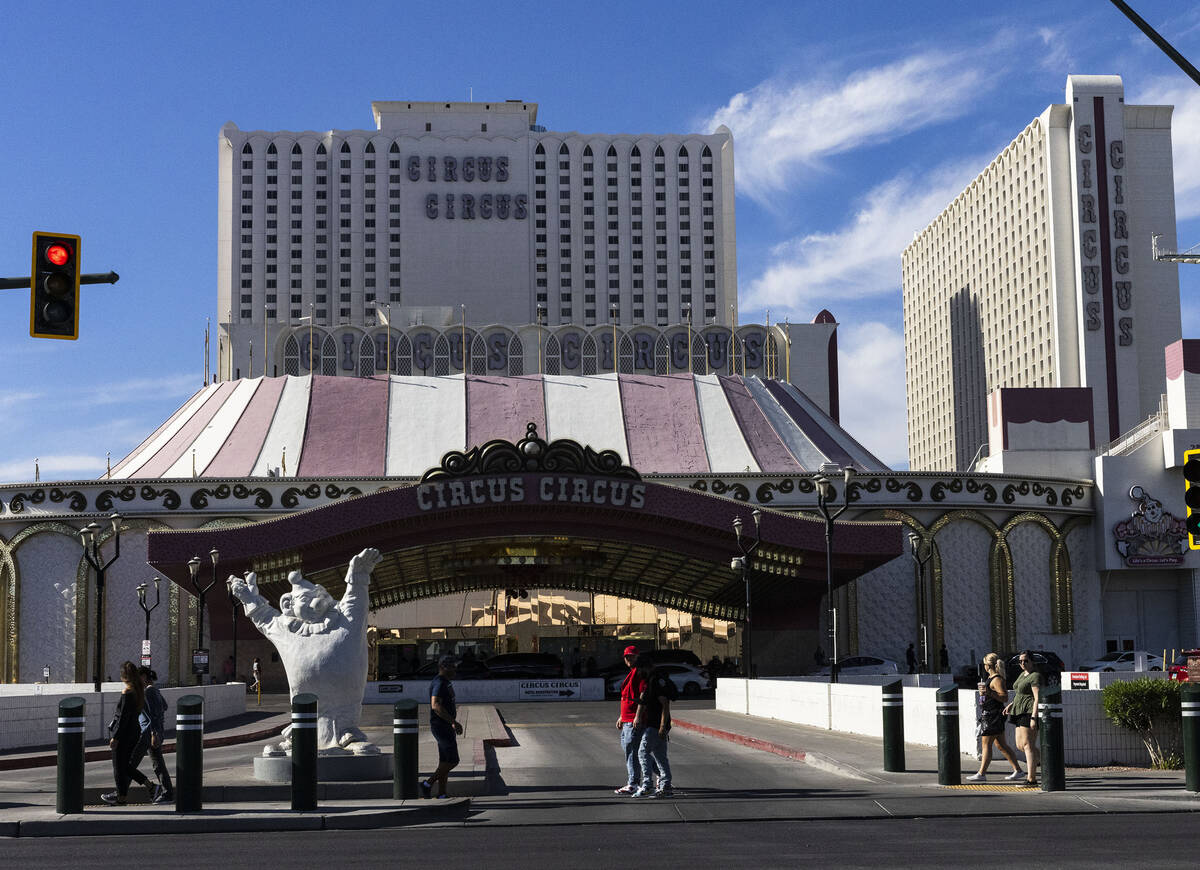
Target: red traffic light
x,y
58,254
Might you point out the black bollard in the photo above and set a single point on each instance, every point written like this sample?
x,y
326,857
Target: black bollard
x,y
189,754
1190,710
949,759
404,749
893,727
1054,774
304,751
72,725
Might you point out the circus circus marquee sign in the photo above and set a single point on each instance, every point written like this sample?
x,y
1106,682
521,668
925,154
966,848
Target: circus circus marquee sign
x,y
1151,537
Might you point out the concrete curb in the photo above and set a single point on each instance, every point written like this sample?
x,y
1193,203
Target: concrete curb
x,y
815,759
117,821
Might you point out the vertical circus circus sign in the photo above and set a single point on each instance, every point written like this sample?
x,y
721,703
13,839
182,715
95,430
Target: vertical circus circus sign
x,y
565,350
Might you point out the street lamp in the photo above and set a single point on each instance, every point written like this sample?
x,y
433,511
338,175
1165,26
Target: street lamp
x,y
89,535
141,594
826,494
742,563
194,570
915,543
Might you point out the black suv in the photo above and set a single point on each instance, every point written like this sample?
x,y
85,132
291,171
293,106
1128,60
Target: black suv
x,y
1045,662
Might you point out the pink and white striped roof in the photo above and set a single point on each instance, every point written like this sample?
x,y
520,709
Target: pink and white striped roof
x,y
401,427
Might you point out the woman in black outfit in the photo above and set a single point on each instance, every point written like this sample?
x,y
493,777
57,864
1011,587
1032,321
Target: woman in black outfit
x,y
125,732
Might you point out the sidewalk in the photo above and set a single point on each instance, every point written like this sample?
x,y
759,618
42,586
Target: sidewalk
x,y
859,758
233,799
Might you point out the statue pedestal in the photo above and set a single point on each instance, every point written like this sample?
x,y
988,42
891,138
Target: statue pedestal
x,y
330,768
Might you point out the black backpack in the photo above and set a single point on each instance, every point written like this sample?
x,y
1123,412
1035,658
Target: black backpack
x,y
661,685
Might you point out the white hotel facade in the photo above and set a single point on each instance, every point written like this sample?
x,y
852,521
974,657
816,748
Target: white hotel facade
x,y
1040,274
451,213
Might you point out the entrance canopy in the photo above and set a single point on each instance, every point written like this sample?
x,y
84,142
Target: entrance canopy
x,y
538,514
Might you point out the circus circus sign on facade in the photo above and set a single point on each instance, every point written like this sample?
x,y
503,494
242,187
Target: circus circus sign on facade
x,y
1151,536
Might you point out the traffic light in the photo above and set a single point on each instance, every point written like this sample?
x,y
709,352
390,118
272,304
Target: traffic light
x,y
54,286
1191,496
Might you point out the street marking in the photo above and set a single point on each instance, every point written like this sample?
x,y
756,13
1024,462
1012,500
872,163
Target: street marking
x,y
882,807
986,787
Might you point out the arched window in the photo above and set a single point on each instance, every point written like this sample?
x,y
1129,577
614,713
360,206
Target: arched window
x,y
636,152
402,361
589,356
246,149
563,149
395,149
478,355
291,356
625,356
345,147
370,149
683,152
366,357
662,356
516,356
612,152
321,148
772,367
271,149
699,355
539,149
296,149
587,151
658,152
552,357
441,356
329,356
706,152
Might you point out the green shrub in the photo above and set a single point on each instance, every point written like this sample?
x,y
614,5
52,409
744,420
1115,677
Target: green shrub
x,y
1150,709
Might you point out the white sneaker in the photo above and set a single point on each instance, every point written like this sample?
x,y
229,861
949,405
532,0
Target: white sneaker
x,y
977,777
1015,775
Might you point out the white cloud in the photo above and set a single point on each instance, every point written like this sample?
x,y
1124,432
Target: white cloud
x,y
781,127
1185,134
871,387
862,258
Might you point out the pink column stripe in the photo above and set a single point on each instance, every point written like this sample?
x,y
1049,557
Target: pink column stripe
x,y
502,407
182,408
238,454
762,439
182,442
662,424
347,428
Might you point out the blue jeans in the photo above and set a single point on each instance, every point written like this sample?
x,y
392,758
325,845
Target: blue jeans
x,y
630,741
653,754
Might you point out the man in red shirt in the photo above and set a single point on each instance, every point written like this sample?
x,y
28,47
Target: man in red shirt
x,y
630,722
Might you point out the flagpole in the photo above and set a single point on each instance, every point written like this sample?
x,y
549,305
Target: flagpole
x,y
264,348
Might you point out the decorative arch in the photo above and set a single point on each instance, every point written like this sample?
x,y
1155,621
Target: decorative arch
x,y
402,362
478,360
563,149
321,148
707,152
271,149
658,152
366,357
683,152
291,356
612,151
540,149
329,356
516,356
587,150
395,149
345,149
589,355
636,152
662,356
246,149
370,149
1062,611
296,148
441,356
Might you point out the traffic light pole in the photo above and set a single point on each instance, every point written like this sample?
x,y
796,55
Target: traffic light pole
x,y
92,278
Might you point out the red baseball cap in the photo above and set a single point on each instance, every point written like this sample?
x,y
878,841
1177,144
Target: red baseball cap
x,y
630,651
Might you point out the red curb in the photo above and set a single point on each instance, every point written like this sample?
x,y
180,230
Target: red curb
x,y
50,759
752,742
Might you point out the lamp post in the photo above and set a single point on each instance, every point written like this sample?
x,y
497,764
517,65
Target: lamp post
x,y
89,535
742,563
541,320
141,594
826,494
387,337
194,570
915,541
613,315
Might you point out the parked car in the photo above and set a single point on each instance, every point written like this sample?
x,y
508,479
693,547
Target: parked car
x,y
1179,669
863,666
674,657
508,666
1045,662
1123,660
689,681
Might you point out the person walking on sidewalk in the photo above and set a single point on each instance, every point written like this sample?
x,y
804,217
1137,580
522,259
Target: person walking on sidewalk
x,y
656,719
124,735
1023,714
629,723
153,721
443,725
989,718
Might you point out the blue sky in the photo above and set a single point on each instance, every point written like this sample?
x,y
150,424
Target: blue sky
x,y
854,124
